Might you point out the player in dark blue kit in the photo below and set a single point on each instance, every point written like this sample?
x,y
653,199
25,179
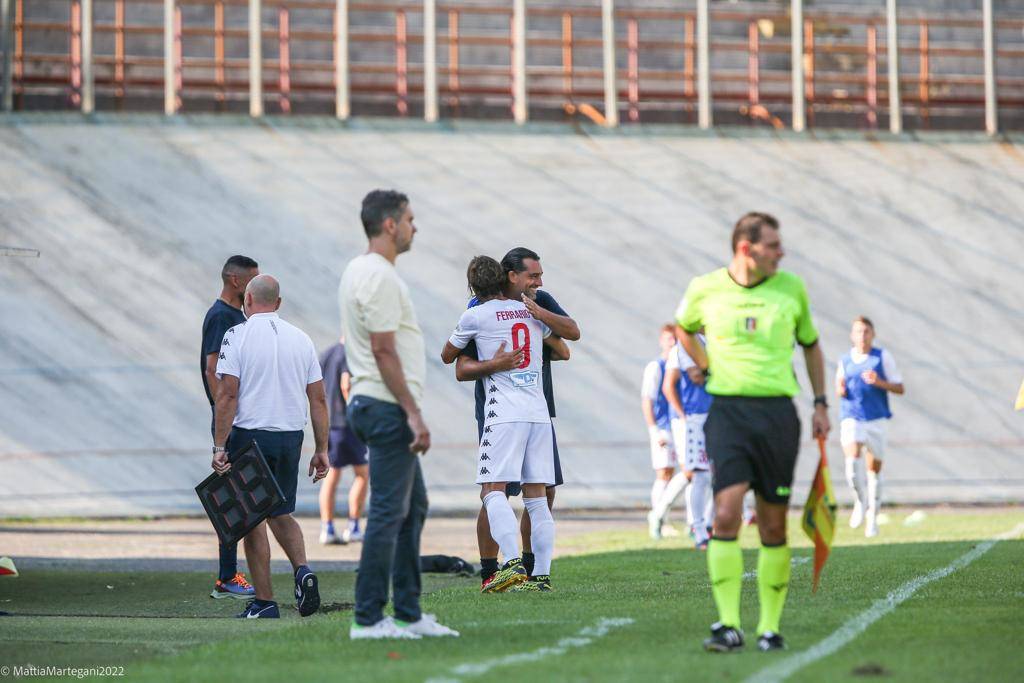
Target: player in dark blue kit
x,y
225,313
525,277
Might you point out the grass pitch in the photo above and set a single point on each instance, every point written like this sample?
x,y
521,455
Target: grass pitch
x,y
630,610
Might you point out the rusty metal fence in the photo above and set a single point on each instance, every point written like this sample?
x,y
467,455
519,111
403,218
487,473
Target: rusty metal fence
x,y
437,59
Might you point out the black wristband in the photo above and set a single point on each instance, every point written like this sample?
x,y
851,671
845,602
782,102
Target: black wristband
x,y
705,373
820,401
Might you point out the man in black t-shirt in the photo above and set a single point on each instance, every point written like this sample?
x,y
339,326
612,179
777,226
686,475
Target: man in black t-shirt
x,y
524,281
225,313
345,449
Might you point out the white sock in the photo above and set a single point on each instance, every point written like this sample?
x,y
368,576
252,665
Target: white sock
x,y
709,511
855,477
504,526
689,504
656,491
542,534
701,492
874,491
671,493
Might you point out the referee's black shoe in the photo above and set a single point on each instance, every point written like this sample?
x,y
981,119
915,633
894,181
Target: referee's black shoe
x,y
307,594
769,640
724,639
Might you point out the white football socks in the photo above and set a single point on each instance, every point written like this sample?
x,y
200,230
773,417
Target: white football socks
x,y
656,492
874,492
855,477
689,502
673,488
504,526
542,534
701,486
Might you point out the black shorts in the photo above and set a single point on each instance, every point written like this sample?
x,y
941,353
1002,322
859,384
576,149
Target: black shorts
x,y
755,441
514,488
282,451
345,448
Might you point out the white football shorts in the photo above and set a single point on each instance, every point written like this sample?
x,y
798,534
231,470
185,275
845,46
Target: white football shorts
x,y
662,457
517,451
696,449
871,433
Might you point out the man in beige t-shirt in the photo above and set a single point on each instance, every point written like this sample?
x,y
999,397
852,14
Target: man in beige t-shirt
x,y
387,360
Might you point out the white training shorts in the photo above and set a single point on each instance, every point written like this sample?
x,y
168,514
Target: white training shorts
x,y
871,433
662,457
689,439
517,451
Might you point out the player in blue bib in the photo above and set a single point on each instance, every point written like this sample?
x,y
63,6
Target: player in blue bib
x,y
657,414
689,404
864,379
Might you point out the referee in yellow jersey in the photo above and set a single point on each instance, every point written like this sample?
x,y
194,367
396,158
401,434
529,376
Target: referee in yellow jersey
x,y
753,315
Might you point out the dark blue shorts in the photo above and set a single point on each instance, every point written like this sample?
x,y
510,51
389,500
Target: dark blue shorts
x,y
282,451
513,488
345,448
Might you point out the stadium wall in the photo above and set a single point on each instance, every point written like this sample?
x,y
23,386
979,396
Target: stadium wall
x,y
103,408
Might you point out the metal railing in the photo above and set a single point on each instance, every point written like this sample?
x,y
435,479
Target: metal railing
x,y
698,65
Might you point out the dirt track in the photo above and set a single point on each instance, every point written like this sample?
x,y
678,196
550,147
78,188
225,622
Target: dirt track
x,y
189,544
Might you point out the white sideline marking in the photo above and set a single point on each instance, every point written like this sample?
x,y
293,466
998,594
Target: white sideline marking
x,y
585,637
793,562
854,627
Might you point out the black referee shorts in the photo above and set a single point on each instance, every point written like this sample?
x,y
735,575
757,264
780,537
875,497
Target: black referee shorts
x,y
755,441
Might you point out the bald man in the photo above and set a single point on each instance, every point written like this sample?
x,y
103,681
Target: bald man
x,y
268,371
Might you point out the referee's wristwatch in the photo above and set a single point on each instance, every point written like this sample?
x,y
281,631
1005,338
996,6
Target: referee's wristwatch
x,y
219,449
820,401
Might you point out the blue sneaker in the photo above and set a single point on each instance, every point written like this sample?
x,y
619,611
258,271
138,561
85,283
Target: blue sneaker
x,y
237,588
254,611
307,594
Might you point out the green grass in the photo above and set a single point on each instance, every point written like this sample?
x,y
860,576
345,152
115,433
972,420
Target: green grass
x,y
162,627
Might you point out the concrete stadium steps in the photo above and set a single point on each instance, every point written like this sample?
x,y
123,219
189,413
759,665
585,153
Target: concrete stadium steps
x,y
103,409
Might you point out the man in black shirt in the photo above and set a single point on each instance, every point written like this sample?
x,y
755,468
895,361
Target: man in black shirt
x,y
225,313
524,281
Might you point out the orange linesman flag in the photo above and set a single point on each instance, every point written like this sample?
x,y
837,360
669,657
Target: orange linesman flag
x,y
819,520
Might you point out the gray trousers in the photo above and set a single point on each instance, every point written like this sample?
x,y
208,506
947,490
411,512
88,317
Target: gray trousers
x,y
398,508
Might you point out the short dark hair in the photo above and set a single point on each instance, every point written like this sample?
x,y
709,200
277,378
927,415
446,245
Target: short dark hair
x,y
513,260
381,204
235,264
866,320
749,227
486,277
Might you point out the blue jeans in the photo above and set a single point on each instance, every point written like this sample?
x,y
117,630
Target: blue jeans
x,y
398,508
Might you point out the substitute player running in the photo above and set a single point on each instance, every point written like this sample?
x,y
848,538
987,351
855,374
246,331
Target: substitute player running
x,y
520,443
864,378
753,315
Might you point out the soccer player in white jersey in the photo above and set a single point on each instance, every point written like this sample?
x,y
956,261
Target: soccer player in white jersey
x,y
517,427
864,378
655,408
690,402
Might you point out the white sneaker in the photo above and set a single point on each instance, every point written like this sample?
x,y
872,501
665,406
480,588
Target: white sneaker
x,y
857,516
350,536
383,629
428,626
669,531
654,525
329,538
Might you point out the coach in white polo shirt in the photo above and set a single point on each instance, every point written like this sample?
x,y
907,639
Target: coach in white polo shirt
x,y
268,371
388,363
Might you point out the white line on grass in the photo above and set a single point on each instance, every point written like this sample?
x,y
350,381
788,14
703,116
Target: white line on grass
x,y
585,637
854,627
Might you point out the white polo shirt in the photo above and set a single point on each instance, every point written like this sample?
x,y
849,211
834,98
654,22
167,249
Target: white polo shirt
x,y
274,361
